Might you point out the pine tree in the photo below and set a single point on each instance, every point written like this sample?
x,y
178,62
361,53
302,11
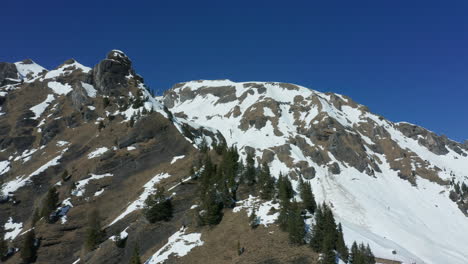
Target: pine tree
x,y
307,197
327,248
94,233
285,190
354,257
267,183
250,171
253,219
284,214
212,208
3,248
135,259
370,259
296,227
340,244
131,123
318,230
28,249
158,207
49,204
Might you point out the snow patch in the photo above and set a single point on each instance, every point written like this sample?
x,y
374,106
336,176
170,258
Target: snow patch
x,y
40,108
177,158
98,152
179,244
59,88
12,229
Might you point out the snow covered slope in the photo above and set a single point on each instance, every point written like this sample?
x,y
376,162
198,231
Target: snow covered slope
x,y
388,183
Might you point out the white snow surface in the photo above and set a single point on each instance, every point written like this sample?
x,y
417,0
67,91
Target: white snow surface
x,y
97,152
90,90
179,244
33,69
40,108
12,229
420,222
177,158
60,88
148,189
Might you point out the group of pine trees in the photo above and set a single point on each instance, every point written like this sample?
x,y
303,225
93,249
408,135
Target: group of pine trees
x,y
218,185
361,254
327,236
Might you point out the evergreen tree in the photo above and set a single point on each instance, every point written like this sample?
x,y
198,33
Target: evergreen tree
x,y
250,171
340,244
318,230
135,259
94,233
327,250
284,213
307,197
253,219
361,254
370,259
49,204
28,249
212,208
285,190
296,227
330,228
3,248
267,183
354,257
158,207
131,123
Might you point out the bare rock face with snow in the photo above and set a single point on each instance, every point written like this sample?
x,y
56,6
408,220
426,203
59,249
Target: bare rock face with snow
x,y
379,175
103,142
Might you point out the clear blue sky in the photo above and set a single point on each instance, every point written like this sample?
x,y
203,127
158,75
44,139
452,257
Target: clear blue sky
x,y
406,60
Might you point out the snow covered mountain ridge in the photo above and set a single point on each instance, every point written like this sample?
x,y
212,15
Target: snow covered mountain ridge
x,y
390,184
103,141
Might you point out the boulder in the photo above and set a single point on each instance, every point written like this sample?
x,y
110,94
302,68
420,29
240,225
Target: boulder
x,y
334,168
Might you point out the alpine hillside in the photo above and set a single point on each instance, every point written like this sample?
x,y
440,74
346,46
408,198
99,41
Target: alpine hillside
x,y
96,169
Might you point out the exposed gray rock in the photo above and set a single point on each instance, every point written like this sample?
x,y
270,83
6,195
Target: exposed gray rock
x,y
308,173
7,71
109,74
79,96
334,168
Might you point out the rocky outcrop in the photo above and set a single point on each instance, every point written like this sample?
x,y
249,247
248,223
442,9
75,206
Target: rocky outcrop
x,y
110,74
8,73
